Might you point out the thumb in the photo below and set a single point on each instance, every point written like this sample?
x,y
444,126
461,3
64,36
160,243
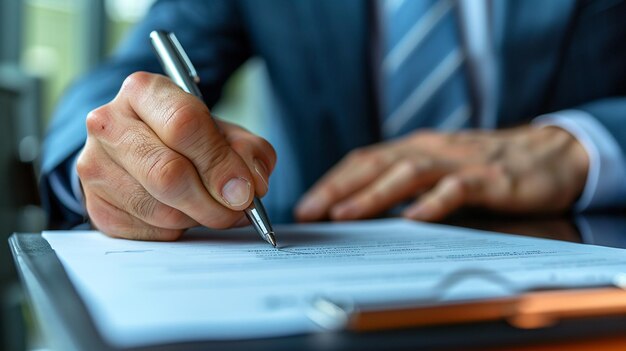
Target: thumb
x,y
184,124
226,176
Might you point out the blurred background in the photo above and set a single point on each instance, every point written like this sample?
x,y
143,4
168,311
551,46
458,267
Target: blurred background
x,y
44,46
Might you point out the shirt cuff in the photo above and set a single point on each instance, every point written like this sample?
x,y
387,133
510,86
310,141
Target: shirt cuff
x,y
605,186
70,195
77,189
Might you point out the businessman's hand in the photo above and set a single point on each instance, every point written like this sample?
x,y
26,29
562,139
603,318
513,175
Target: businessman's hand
x,y
521,170
155,163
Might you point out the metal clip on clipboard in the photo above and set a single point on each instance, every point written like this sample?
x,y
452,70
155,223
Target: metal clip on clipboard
x,y
537,308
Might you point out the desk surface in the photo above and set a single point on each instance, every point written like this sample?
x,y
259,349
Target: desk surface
x,y
67,326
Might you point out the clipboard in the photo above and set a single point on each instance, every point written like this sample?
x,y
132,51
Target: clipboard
x,y
534,308
531,310
67,325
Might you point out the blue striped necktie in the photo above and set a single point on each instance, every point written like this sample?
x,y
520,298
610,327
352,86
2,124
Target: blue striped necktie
x,y
424,83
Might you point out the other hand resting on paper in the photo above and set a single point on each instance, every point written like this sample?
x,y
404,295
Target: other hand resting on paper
x,y
156,163
520,170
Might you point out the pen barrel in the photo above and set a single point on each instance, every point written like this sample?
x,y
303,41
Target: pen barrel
x,y
258,217
174,63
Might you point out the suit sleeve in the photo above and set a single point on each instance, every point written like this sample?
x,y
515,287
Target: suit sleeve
x,y
213,36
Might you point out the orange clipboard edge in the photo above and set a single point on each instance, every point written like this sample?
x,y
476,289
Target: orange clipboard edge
x,y
535,309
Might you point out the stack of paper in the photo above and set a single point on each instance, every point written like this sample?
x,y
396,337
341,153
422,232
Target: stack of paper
x,y
232,285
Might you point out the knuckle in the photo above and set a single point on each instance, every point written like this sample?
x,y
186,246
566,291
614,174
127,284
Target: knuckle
x,y
98,120
424,163
217,159
183,123
244,146
469,185
371,162
140,203
409,167
86,168
329,191
367,158
255,147
137,81
273,157
117,223
435,200
266,147
171,217
101,216
461,185
165,173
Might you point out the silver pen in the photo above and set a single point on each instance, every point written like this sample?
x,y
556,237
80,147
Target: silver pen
x,y
178,67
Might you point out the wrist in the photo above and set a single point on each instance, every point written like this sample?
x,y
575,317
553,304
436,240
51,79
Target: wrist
x,y
575,156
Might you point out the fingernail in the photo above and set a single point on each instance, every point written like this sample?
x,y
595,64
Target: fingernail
x,y
419,212
261,170
236,192
310,207
344,211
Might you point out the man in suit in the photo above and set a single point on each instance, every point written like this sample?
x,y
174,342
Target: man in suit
x,y
513,106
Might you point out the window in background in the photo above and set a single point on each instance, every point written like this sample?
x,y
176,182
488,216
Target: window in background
x,y
50,49
239,102
64,38
121,15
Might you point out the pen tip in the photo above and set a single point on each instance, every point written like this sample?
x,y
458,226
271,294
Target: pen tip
x,y
271,239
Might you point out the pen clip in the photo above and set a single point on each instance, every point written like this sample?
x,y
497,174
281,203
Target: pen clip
x,y
191,70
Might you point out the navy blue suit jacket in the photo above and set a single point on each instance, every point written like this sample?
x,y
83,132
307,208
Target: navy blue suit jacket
x,y
552,55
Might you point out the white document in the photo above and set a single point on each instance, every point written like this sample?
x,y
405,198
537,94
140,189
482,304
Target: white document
x,y
232,285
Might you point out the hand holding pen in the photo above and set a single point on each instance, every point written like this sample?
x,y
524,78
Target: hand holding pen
x,y
156,163
179,68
